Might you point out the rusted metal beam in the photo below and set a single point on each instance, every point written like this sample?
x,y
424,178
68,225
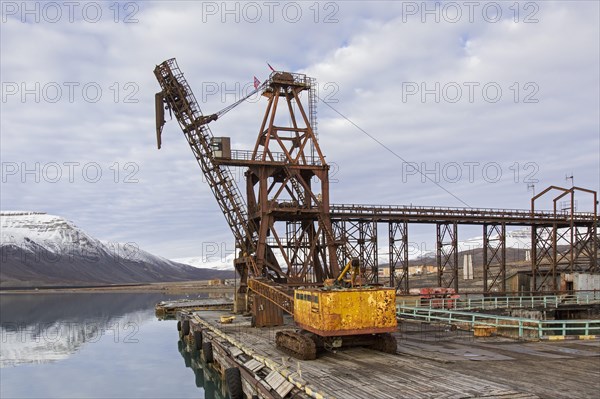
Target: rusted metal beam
x,y
494,258
447,255
418,214
398,255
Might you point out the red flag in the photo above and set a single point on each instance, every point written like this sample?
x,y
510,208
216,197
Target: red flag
x,y
256,82
270,67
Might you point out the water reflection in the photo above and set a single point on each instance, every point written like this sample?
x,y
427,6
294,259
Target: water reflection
x,y
47,328
94,346
206,378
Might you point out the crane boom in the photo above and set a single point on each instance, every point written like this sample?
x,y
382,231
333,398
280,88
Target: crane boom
x,y
178,97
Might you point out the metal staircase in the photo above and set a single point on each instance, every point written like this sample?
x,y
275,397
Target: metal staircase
x,y
298,188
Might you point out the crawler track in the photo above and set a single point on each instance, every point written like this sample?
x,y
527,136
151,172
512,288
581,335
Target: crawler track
x,y
296,344
385,343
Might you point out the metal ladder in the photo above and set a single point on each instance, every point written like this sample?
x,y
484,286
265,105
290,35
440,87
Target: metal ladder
x,y
312,113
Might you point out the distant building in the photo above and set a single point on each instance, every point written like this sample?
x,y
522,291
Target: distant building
x,y
384,271
520,282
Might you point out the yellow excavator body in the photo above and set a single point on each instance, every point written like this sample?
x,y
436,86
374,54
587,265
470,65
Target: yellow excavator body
x,y
346,311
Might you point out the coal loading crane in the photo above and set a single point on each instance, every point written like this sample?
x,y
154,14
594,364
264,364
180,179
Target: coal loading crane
x,y
284,241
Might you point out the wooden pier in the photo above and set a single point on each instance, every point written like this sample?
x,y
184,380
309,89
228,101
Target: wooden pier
x,y
431,362
168,309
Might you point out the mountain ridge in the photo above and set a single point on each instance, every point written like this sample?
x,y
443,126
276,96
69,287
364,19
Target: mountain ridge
x,y
38,249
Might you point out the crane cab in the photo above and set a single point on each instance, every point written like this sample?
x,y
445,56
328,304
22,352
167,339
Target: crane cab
x,y
221,147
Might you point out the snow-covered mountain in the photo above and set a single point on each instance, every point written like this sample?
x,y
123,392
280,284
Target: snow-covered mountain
x,y
516,239
40,249
213,263
216,263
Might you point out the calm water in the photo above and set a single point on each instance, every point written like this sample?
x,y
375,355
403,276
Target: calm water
x,y
94,346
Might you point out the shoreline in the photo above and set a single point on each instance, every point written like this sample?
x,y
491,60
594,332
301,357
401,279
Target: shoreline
x,y
184,287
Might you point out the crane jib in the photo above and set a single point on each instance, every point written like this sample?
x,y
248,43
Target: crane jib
x,y
177,96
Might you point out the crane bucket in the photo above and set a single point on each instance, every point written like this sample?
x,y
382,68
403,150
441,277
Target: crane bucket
x,y
160,116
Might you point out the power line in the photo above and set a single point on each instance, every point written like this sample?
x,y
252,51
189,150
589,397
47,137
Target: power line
x,y
393,152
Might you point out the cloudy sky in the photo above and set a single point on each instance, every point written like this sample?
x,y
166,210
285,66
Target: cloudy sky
x,y
485,98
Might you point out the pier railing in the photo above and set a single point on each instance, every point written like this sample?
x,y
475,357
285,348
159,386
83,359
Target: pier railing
x,y
517,327
509,302
272,293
